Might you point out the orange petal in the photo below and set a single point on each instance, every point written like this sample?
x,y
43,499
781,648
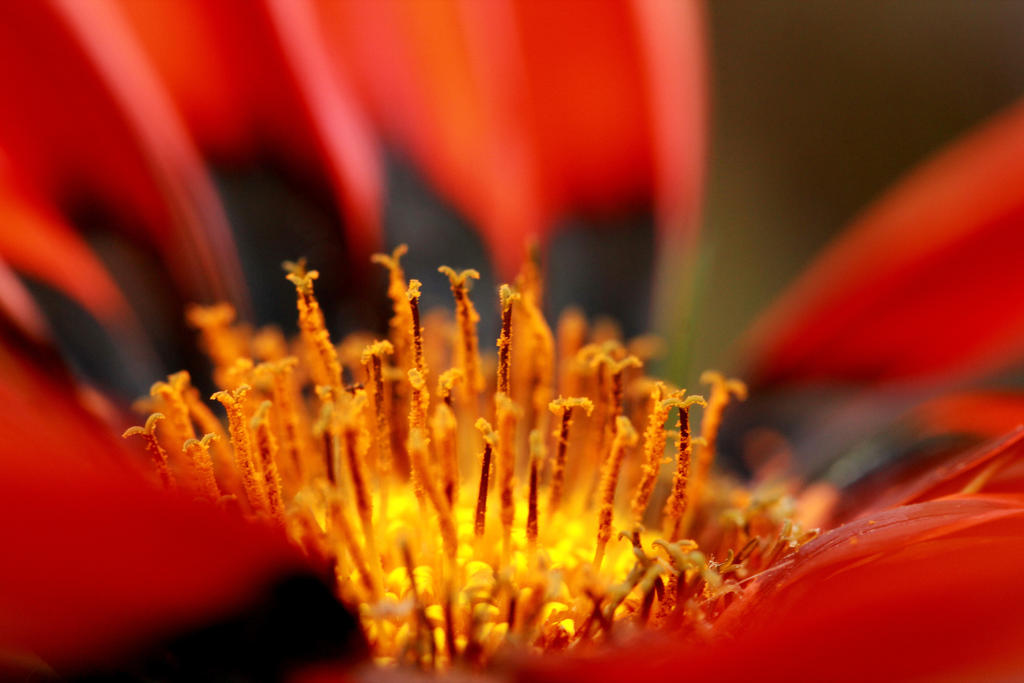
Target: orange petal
x,y
87,122
918,592
98,562
521,111
922,283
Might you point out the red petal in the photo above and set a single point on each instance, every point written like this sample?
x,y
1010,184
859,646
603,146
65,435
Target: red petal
x,y
18,307
87,119
98,561
247,76
38,243
520,111
343,136
952,478
985,414
922,284
918,592
672,41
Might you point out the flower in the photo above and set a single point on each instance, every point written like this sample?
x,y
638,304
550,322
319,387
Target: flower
x,y
159,560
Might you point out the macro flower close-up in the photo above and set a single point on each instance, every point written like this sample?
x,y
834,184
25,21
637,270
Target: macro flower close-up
x,y
511,340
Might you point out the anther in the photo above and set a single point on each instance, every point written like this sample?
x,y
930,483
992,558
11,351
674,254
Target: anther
x,y
401,319
282,373
507,415
198,451
563,407
444,426
153,447
217,336
415,329
722,389
266,446
373,356
654,447
350,415
536,457
322,354
233,401
676,504
507,296
625,436
467,347
170,393
418,455
490,439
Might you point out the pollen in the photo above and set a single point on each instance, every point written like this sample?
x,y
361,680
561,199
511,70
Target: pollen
x,y
474,503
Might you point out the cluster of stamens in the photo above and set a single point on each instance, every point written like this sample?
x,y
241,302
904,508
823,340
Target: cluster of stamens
x,y
475,512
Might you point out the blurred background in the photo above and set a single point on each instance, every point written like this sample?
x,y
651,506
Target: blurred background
x,y
813,110
817,107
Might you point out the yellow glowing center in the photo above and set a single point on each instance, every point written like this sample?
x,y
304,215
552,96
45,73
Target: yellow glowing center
x,y
507,502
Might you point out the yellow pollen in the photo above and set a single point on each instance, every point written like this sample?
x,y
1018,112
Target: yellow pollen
x,y
495,517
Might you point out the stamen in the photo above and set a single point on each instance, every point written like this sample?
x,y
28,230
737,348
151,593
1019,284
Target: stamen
x,y
654,447
348,539
153,447
538,347
282,374
675,506
507,415
174,406
329,448
238,373
625,436
563,407
420,400
419,456
269,344
507,297
444,427
233,401
327,431
650,585
323,357
373,363
198,451
416,330
218,339
209,424
536,457
615,370
529,280
401,319
610,371
490,439
571,335
422,624
721,391
467,348
357,471
266,446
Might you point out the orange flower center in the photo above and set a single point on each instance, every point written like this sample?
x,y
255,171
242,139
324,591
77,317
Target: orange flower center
x,y
507,503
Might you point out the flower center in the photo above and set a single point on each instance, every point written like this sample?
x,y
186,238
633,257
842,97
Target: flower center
x,y
508,503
